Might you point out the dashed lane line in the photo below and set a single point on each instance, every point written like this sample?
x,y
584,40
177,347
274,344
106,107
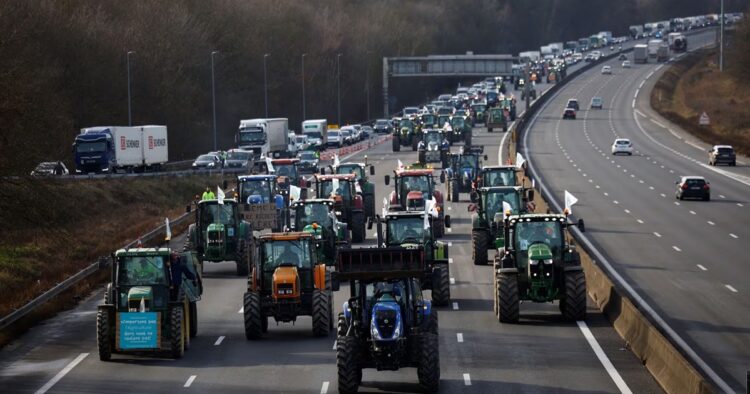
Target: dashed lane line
x,y
732,289
676,248
606,363
455,306
460,337
62,373
702,267
219,340
324,388
190,381
733,236
467,379
657,235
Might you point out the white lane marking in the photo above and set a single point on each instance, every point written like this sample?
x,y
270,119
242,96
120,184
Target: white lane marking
x,y
627,211
324,388
242,309
611,370
450,208
733,236
636,93
606,194
641,84
651,187
676,203
460,337
639,221
692,212
190,380
455,306
62,373
676,248
663,195
657,123
633,104
467,379
711,223
450,230
722,196
696,146
702,267
450,260
657,235
616,202
740,205
219,341
453,281
732,289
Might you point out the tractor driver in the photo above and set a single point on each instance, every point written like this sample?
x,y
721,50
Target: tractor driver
x,y
258,189
288,255
534,233
145,271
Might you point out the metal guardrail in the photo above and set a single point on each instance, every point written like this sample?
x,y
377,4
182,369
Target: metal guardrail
x,y
103,262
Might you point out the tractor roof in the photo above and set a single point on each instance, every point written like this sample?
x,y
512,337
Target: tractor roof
x,y
265,177
143,252
489,189
347,177
538,216
314,201
289,236
216,201
414,172
350,165
492,168
405,214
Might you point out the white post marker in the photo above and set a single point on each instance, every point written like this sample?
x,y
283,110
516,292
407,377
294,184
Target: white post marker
x,y
62,373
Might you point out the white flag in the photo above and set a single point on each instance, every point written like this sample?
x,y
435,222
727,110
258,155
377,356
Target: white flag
x,y
294,193
336,160
433,207
427,209
570,200
507,209
533,184
385,206
220,195
519,160
269,165
400,165
169,230
447,127
334,186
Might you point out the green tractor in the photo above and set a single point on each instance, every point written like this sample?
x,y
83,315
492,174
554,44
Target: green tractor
x,y
429,121
498,176
403,135
536,263
487,220
410,230
317,217
144,311
497,118
220,233
461,129
366,187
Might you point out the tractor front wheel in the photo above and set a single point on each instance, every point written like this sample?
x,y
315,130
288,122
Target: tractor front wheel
x,y
479,240
358,227
396,144
341,326
428,370
253,315
432,322
454,190
104,334
467,138
414,143
193,319
573,304
177,331
506,289
321,312
441,290
347,363
188,246
243,258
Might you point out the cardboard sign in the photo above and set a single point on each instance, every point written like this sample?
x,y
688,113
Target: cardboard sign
x,y
261,216
138,330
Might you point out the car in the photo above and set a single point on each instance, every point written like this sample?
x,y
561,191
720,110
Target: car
x,y
693,187
356,133
383,126
50,168
569,113
622,145
308,161
626,64
589,58
238,158
573,103
367,131
606,70
408,111
445,110
335,138
597,102
722,154
347,135
622,57
207,161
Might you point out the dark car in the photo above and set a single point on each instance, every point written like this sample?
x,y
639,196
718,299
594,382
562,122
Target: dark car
x,y
569,113
308,161
50,168
238,159
383,126
207,161
693,187
722,154
573,103
622,57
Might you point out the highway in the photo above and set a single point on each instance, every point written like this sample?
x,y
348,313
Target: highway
x,y
685,258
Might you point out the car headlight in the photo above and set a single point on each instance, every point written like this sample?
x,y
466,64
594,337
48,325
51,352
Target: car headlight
x,y
211,165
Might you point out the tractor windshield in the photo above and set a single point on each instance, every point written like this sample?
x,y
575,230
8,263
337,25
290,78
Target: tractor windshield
x,y
261,188
287,170
457,122
295,252
141,270
500,178
469,161
313,213
493,202
351,169
531,232
217,213
407,123
403,230
343,189
417,183
435,138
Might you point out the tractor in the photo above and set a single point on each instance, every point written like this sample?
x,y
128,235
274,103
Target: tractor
x,y
143,309
536,263
461,129
365,187
497,176
287,281
263,190
429,121
386,324
403,135
497,118
348,204
509,104
478,111
289,173
317,217
487,220
220,233
412,188
434,148
463,172
414,230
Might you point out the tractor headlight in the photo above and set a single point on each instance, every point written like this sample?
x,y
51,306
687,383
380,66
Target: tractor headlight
x,y
375,333
548,261
397,331
534,262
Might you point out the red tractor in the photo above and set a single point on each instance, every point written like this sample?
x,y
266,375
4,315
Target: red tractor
x,y
347,202
412,188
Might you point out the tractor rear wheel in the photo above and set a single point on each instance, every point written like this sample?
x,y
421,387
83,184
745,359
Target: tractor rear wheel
x,y
441,290
358,227
188,246
108,294
396,144
432,322
439,230
421,157
253,315
479,245
414,143
454,190
467,138
321,312
506,289
369,200
341,326
103,335
573,304
193,319
176,331
428,370
347,363
243,258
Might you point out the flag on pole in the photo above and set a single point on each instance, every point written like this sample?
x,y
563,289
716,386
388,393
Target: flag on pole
x,y
433,207
385,206
220,195
519,160
334,186
400,165
294,193
570,200
427,212
269,165
169,230
336,160
507,209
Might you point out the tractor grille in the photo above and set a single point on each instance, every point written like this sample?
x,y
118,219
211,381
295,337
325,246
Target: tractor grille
x,y
386,323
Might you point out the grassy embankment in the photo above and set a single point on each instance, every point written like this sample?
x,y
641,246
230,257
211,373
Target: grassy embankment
x,y
53,229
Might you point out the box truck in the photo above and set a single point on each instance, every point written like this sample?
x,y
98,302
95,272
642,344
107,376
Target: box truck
x,y
316,131
640,53
264,137
108,149
677,42
653,47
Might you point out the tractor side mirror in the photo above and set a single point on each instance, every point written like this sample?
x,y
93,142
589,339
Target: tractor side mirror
x,y
187,208
448,221
581,226
471,208
369,223
530,195
224,185
442,177
387,179
474,197
372,170
485,158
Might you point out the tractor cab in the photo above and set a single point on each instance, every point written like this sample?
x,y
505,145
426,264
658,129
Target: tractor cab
x,y
434,147
288,172
461,129
464,170
219,233
259,189
317,217
348,202
429,121
365,187
497,176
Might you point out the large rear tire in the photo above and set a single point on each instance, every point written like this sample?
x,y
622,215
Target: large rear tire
x,y
341,326
506,288
573,304
369,200
432,322
347,363
176,331
193,319
243,258
441,290
358,227
428,370
253,315
454,190
321,312
479,241
396,144
104,335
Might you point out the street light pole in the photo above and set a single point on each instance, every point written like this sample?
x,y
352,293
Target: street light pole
x,y
265,81
213,93
130,113
721,38
304,115
367,82
338,86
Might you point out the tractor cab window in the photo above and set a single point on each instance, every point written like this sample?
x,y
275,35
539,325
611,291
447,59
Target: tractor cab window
x,y
416,184
457,121
287,170
356,170
407,123
434,138
493,203
548,232
479,108
500,178
260,188
294,252
394,290
141,270
217,213
429,119
469,161
496,113
402,230
314,213
343,189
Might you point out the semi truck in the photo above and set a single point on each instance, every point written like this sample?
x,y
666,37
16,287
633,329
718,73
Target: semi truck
x,y
662,53
316,131
636,31
557,47
264,137
606,37
108,149
530,56
677,42
653,47
640,53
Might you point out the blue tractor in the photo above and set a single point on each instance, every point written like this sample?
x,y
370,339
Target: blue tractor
x,y
259,193
386,324
463,172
